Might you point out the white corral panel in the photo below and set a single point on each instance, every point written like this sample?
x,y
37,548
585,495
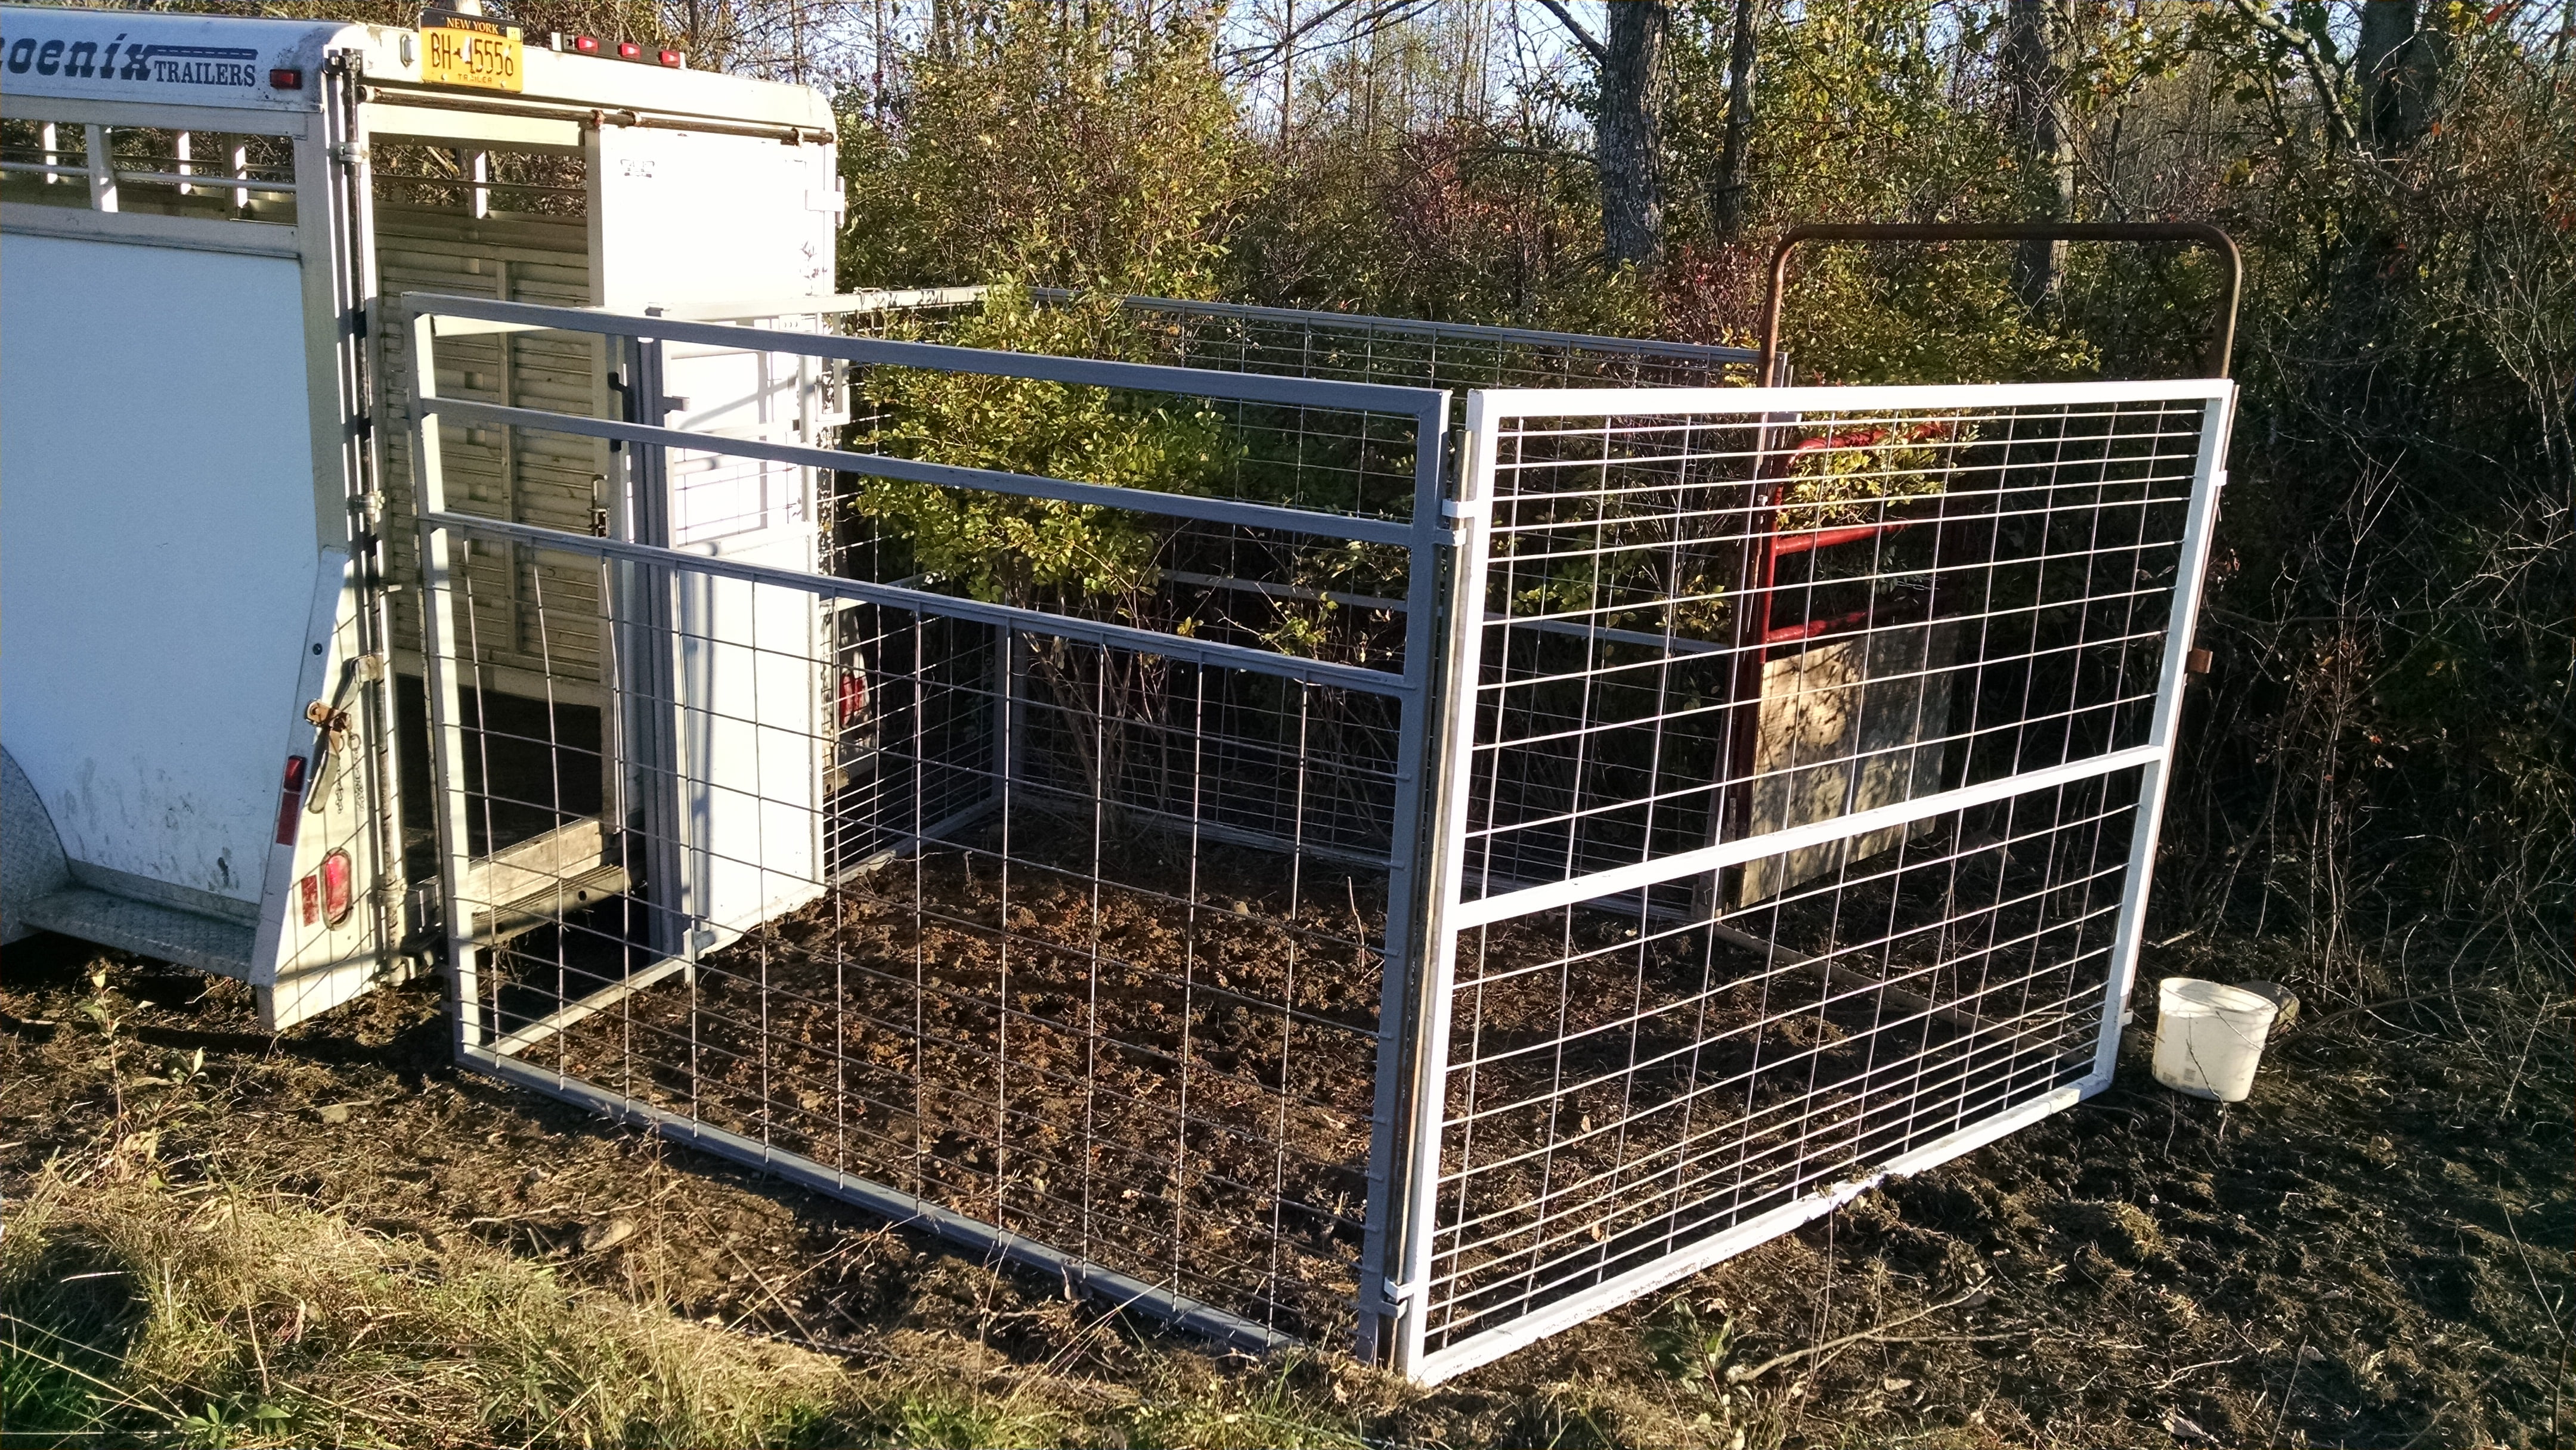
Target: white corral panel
x,y
157,551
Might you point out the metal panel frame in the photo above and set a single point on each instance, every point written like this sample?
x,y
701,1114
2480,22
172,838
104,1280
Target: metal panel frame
x,y
1417,327
1430,536
1449,539
1486,411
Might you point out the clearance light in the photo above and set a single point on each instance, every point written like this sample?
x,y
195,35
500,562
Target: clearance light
x,y
629,50
586,45
285,79
290,795
337,897
673,59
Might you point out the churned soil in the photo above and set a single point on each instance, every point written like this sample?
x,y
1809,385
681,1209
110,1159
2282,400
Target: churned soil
x,y
1171,1078
2374,1250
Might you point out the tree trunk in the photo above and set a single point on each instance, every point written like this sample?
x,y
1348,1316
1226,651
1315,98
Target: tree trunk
x,y
2035,50
1632,192
2398,55
1735,163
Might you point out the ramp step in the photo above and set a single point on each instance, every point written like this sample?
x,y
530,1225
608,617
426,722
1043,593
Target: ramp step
x,y
178,936
549,904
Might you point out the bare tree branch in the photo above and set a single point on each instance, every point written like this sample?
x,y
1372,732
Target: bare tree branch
x,y
1379,16
1585,38
2321,65
1249,57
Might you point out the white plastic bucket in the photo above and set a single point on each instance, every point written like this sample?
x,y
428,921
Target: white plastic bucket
x,y
2209,1037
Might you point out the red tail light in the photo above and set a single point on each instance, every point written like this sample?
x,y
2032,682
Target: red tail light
x,y
290,795
336,894
854,697
586,45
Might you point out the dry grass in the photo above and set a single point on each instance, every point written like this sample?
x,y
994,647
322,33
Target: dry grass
x,y
214,1318
136,1312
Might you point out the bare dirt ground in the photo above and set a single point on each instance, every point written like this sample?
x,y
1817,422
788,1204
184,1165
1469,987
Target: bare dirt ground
x,y
2373,1251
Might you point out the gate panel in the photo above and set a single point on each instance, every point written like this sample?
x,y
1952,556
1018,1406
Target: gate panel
x,y
1804,815
1065,935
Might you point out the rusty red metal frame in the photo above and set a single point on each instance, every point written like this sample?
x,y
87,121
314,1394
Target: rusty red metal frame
x,y
1757,636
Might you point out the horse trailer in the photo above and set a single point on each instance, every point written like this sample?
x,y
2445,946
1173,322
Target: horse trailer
x,y
211,584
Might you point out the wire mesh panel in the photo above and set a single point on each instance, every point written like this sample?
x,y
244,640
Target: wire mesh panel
x,y
1312,889
1305,343
1059,920
1803,801
1083,987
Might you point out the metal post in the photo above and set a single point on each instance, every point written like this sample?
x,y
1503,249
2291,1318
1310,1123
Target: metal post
x,y
646,687
1431,563
348,197
1411,1160
2209,477
102,171
446,703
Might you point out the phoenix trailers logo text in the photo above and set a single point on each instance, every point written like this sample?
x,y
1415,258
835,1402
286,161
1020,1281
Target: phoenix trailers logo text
x,y
178,65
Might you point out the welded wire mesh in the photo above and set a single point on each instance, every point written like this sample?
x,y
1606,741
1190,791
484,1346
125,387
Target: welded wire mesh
x,y
1705,630
1725,625
1788,824
1626,1084
1087,945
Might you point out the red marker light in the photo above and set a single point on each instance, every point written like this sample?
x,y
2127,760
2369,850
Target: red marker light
x,y
336,895
671,58
854,698
290,795
629,50
285,78
586,45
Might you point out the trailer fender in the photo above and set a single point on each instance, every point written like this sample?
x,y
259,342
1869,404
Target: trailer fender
x,y
31,851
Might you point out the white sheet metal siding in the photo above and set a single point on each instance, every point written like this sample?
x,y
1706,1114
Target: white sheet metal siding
x,y
157,552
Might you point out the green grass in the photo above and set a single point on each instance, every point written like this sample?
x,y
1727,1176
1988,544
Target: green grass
x,y
134,1314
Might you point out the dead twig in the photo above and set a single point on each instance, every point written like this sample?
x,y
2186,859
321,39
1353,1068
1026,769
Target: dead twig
x,y
1738,1374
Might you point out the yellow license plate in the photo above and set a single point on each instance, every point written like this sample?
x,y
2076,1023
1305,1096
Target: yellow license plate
x,y
469,50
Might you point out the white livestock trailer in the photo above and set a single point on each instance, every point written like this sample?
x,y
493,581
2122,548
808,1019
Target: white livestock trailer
x,y
209,578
